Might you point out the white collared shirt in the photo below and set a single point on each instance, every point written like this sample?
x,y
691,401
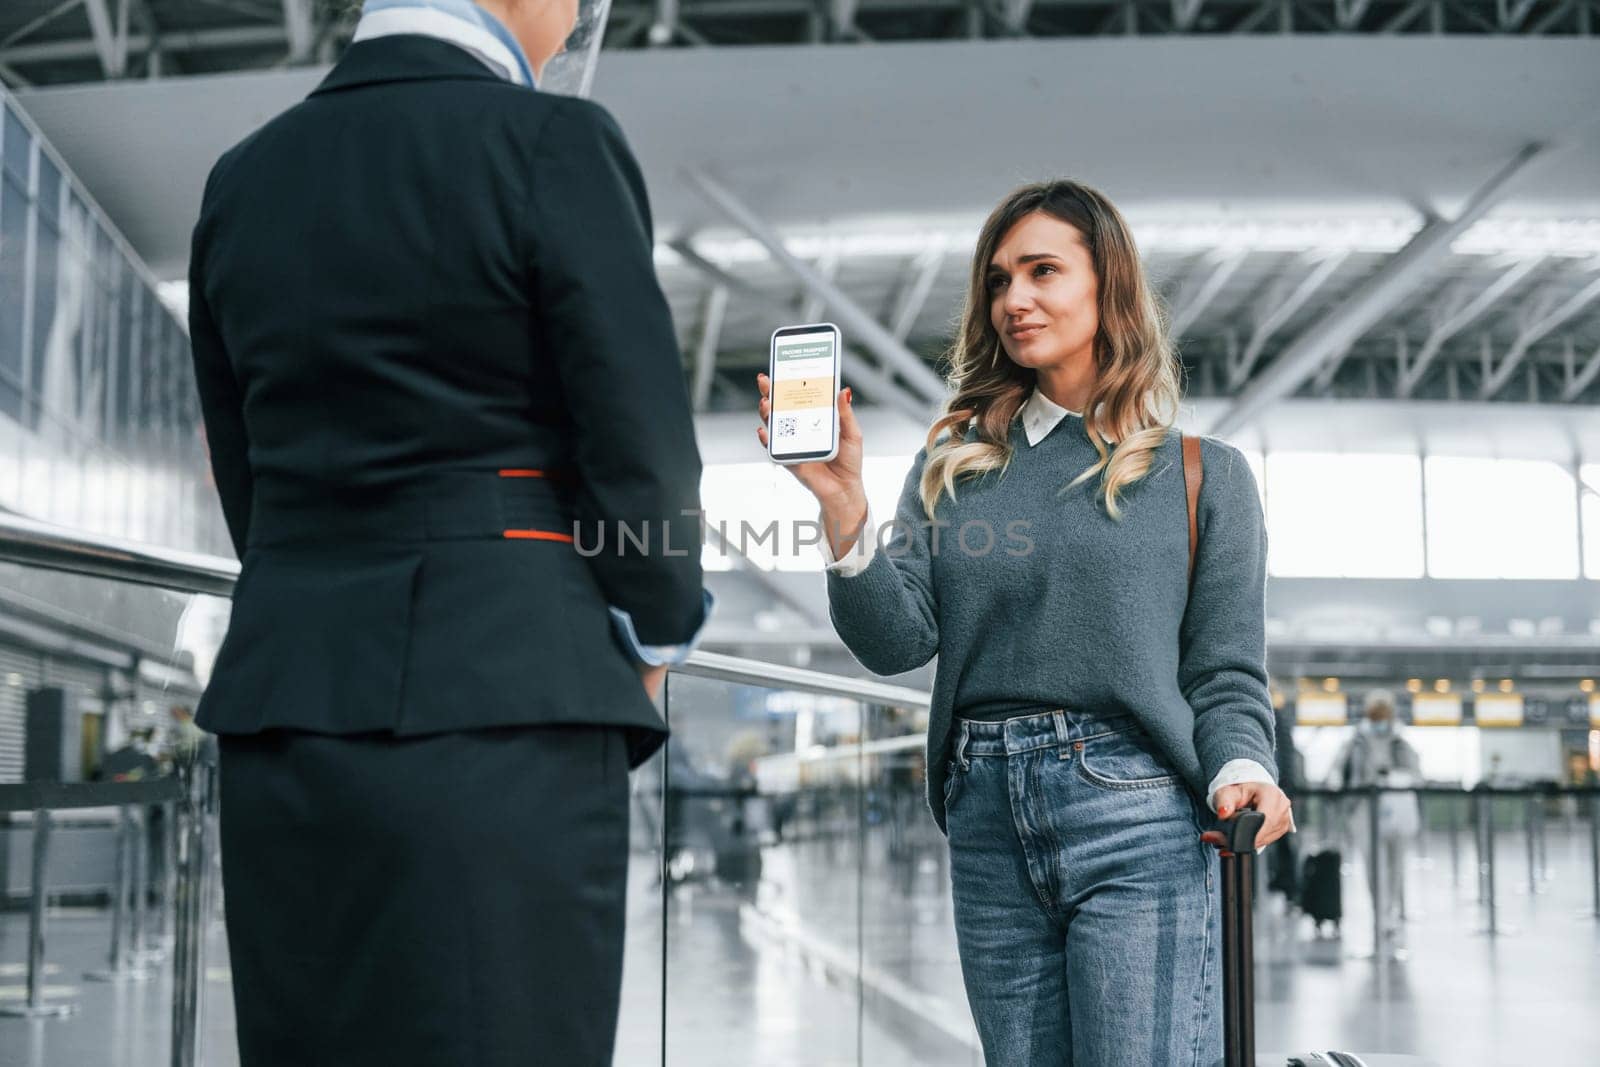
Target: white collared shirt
x,y
1039,415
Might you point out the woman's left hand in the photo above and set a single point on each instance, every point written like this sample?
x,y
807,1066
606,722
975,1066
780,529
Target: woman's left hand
x,y
1264,797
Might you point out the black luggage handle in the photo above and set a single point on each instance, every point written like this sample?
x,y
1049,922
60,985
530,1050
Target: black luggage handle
x,y
1241,831
1238,958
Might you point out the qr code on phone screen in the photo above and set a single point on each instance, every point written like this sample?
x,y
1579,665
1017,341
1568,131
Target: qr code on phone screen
x,y
786,426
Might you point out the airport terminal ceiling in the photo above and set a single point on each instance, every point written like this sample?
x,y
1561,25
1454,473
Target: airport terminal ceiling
x,y
52,42
1275,180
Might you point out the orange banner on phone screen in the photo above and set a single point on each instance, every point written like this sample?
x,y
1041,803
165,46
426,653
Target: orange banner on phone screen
x,y
788,394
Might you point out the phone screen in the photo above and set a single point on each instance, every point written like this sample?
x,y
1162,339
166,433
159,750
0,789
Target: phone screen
x,y
805,381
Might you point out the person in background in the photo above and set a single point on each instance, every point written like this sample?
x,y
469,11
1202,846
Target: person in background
x,y
134,761
183,737
450,428
1378,756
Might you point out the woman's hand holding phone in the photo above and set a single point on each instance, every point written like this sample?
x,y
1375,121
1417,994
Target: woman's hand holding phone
x,y
837,484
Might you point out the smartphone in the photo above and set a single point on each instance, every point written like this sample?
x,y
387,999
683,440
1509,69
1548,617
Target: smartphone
x,y
804,368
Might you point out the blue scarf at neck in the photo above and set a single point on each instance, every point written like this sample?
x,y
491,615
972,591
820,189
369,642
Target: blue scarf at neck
x,y
469,27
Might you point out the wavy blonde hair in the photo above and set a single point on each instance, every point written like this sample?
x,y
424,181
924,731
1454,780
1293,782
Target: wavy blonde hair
x,y
1137,387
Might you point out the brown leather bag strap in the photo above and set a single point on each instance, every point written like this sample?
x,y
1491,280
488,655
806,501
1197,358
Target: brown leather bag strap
x,y
1193,475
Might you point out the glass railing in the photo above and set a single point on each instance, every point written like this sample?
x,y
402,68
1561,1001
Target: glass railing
x,y
803,895
789,895
786,888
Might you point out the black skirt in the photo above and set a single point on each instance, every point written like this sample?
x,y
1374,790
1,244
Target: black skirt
x,y
453,900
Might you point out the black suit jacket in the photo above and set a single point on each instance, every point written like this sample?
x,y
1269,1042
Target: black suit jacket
x,y
431,349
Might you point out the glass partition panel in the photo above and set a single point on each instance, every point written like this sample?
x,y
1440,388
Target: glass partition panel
x,y
762,829
914,1005
105,676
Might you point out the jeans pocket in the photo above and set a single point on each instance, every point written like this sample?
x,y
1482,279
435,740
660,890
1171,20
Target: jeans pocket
x,y
952,783
1127,759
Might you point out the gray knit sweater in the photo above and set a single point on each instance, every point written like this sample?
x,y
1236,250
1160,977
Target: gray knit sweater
x,y
1071,608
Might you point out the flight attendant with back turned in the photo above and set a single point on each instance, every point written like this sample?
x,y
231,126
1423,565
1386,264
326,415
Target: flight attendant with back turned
x,y
439,382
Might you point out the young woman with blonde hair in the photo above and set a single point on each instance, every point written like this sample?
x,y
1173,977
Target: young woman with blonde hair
x,y
1092,707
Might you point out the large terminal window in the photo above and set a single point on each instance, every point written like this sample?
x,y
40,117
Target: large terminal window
x,y
1344,515
763,494
1501,518
1589,476
99,424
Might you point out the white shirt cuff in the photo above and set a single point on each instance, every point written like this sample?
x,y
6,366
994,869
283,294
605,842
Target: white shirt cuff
x,y
660,655
855,561
1234,772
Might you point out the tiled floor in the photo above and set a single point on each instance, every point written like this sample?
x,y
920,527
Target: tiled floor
x,y
765,975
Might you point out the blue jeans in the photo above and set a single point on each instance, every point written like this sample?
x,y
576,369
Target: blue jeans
x,y
1085,903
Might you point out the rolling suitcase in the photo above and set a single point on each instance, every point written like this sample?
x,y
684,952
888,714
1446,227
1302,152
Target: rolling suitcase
x,y
1319,887
1238,961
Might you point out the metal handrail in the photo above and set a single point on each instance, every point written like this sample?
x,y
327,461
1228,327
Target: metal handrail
x,y
1548,789
60,548
778,676
60,796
